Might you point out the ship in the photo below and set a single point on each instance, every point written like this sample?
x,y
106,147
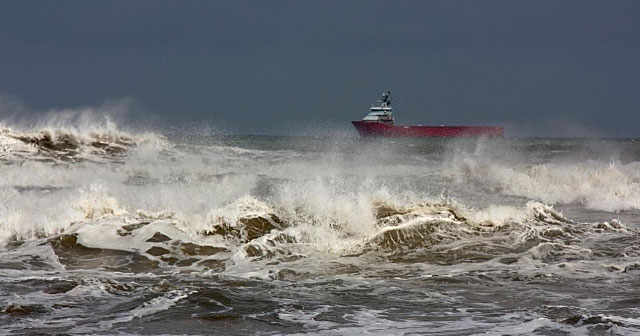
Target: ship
x,y
379,123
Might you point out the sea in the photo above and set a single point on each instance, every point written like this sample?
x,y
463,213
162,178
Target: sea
x,y
110,230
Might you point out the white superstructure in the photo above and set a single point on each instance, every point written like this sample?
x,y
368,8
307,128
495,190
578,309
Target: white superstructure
x,y
382,113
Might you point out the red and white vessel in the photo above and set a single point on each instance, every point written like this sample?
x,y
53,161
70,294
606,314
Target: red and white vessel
x,y
379,123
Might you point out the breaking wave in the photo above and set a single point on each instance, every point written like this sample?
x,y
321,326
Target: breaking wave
x,y
70,135
607,186
97,231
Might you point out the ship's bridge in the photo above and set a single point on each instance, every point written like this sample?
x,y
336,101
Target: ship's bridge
x,y
381,113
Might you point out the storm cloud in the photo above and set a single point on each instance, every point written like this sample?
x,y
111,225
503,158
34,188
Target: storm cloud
x,y
541,68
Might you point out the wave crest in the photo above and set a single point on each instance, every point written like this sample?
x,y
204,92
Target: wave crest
x,y
73,145
596,185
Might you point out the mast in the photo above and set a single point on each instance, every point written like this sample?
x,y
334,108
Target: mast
x,y
386,99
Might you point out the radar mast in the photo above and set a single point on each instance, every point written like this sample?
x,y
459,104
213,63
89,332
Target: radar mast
x,y
386,99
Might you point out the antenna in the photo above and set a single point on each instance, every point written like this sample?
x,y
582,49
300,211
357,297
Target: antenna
x,y
386,99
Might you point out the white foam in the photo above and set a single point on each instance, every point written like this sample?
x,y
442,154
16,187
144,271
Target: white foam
x,y
150,307
597,185
375,322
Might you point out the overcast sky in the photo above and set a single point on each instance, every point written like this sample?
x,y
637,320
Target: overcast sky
x,y
538,67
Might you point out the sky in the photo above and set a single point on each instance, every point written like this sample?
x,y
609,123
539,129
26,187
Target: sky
x,y
540,68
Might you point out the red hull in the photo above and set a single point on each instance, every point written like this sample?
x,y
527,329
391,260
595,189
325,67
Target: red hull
x,y
386,130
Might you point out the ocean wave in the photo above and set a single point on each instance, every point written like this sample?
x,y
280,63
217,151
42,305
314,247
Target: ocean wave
x,y
95,139
598,185
99,232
